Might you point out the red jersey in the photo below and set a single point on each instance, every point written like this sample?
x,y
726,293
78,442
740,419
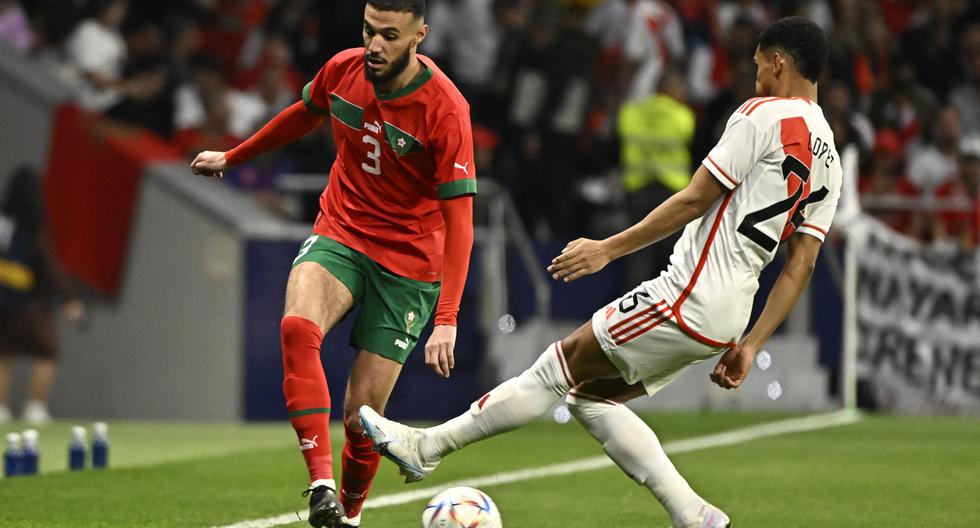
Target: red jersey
x,y
397,155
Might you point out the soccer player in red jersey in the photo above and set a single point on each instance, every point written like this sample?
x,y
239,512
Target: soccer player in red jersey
x,y
393,235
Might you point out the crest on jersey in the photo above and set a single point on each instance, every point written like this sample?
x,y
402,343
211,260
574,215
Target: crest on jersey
x,y
409,321
400,141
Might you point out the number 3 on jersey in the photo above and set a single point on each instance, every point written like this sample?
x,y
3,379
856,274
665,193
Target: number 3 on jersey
x,y
796,202
374,156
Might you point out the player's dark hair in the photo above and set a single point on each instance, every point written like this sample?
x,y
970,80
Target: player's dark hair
x,y
802,40
415,7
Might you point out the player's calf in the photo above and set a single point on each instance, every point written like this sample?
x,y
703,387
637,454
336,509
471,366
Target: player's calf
x,y
360,465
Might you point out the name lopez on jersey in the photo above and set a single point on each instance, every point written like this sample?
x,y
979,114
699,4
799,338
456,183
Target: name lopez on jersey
x,y
820,148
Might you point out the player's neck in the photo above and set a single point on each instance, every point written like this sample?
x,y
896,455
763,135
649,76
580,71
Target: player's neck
x,y
797,88
405,78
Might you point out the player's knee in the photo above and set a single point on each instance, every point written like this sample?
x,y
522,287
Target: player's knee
x,y
296,332
352,421
585,410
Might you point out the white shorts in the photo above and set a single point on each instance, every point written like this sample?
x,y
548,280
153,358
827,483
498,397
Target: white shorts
x,y
642,338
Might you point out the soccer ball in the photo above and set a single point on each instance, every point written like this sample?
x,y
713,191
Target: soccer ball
x,y
461,507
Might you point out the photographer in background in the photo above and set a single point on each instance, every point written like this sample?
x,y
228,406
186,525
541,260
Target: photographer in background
x,y
30,279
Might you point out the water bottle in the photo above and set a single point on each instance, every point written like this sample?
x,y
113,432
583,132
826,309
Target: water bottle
x,y
76,449
13,457
32,454
100,445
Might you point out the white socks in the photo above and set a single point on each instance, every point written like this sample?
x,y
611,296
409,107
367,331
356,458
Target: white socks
x,y
629,442
330,483
510,405
623,435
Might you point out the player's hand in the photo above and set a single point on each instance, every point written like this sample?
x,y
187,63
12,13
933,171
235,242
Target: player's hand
x,y
579,258
439,350
210,164
734,366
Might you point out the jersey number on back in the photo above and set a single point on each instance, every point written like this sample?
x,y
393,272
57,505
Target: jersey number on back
x,y
791,165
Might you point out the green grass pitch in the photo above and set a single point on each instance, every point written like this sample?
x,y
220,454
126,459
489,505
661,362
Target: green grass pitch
x,y
881,471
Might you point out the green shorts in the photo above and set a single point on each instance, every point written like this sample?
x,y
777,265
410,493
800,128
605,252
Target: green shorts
x,y
394,309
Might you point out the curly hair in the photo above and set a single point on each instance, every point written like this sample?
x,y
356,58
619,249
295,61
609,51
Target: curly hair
x,y
801,39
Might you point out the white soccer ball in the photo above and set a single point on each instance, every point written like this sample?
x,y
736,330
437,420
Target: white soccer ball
x,y
461,507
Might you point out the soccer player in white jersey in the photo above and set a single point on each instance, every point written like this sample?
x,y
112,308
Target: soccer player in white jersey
x,y
774,176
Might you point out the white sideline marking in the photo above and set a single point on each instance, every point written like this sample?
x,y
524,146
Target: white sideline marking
x,y
727,438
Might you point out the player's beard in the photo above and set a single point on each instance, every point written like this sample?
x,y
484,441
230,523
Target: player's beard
x,y
394,70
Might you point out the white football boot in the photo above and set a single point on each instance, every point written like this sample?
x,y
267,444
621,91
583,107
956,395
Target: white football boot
x,y
710,517
398,443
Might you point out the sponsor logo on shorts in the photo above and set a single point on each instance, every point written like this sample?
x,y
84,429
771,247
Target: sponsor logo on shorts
x,y
402,343
305,444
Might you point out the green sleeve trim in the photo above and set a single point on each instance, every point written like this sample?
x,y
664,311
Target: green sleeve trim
x,y
310,105
456,188
304,412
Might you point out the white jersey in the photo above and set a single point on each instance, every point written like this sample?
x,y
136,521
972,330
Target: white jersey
x,y
778,160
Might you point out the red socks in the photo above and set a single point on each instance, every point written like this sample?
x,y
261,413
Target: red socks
x,y
360,465
307,397
308,403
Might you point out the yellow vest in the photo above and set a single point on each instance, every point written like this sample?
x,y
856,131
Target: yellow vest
x,y
656,134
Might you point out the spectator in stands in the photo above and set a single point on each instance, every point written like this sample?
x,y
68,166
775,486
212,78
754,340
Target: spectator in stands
x,y
849,125
728,12
654,39
885,191
961,221
711,64
714,116
213,132
275,54
15,28
270,87
97,50
934,164
966,97
932,47
655,134
207,81
906,106
30,278
465,35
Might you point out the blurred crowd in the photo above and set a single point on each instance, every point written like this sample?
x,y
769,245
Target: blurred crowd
x,y
590,112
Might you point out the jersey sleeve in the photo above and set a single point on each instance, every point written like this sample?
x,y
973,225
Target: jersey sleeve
x,y
452,152
819,215
316,94
737,152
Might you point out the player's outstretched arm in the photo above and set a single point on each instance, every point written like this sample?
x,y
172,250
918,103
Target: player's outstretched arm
x,y
584,257
291,124
734,365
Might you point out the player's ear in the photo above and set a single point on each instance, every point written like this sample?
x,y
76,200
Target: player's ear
x,y
778,62
420,35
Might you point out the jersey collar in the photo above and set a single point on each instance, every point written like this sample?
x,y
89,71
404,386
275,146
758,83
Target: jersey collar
x,y
420,79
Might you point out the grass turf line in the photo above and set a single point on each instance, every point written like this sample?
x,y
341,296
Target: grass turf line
x,y
884,471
